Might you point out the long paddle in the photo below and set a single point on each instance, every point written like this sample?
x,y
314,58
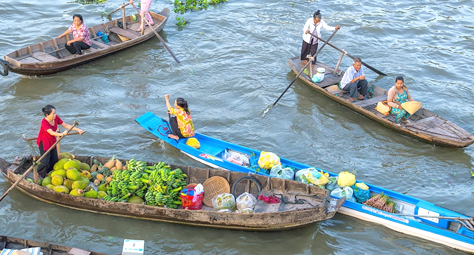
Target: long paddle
x,y
34,138
35,162
343,51
302,69
157,35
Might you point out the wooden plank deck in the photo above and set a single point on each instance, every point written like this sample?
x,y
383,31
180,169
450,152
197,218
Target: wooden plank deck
x,y
124,32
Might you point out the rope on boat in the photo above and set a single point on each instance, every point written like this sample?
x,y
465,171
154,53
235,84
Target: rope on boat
x,y
298,201
5,68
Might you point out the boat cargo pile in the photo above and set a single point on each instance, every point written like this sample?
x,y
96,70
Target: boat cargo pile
x,y
158,191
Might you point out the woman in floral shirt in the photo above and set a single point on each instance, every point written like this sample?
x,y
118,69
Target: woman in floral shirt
x,y
82,37
181,125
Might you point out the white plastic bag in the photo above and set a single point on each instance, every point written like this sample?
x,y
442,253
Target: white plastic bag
x,y
312,176
332,184
223,201
246,200
344,192
236,157
283,173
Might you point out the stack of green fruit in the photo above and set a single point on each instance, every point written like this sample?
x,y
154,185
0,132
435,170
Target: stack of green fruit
x,y
157,184
70,176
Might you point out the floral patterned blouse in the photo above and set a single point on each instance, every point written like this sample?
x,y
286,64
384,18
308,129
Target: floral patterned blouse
x,y
82,32
185,123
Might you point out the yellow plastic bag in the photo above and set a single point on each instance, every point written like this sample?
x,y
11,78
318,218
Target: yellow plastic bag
x,y
317,178
346,179
193,142
267,160
362,186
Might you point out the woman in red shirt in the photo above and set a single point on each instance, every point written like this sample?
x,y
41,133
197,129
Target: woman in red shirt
x,y
47,137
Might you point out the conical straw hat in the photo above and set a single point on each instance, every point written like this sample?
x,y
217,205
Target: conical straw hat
x,y
412,106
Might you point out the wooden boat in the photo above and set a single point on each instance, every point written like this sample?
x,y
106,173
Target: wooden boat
x,y
437,224
51,56
46,248
423,125
266,217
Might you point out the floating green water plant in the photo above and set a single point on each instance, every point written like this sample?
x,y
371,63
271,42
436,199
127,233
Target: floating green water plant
x,y
184,6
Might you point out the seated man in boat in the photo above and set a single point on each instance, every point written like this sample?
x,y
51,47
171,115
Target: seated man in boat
x,y
354,80
181,124
82,37
397,95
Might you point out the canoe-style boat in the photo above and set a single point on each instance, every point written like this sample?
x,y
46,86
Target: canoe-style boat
x,y
423,125
288,214
46,248
438,224
51,56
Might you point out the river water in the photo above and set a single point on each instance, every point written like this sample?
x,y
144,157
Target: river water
x,y
233,67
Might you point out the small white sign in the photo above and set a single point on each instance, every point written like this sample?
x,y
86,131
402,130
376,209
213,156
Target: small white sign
x,y
133,247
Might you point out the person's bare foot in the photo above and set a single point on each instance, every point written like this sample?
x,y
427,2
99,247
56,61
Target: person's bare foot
x,y
173,137
351,99
361,97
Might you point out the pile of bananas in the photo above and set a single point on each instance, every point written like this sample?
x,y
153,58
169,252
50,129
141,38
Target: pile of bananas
x,y
158,185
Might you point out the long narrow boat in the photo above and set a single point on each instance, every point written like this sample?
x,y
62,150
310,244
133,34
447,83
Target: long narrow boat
x,y
437,225
51,56
46,248
423,125
288,214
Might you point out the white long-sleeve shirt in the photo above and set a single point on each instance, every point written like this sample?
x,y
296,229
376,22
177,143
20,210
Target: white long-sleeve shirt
x,y
311,27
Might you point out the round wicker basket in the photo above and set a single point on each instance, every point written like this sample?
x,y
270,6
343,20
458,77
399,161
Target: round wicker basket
x,y
214,186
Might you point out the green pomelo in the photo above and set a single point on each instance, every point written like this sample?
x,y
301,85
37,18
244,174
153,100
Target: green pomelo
x,y
46,181
135,200
91,194
102,188
101,194
61,189
68,183
72,164
61,172
40,182
66,155
79,185
50,186
84,180
85,166
60,164
73,174
57,180
76,192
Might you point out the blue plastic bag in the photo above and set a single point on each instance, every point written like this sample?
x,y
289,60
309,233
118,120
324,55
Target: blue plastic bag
x,y
332,184
360,194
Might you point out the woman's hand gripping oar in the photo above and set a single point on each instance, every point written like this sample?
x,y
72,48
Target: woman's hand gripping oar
x,y
157,35
302,69
36,162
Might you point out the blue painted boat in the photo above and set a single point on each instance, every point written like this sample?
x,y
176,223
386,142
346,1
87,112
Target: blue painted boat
x,y
437,224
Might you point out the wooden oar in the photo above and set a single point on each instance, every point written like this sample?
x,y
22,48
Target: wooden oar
x,y
35,162
34,138
123,6
347,54
157,35
302,69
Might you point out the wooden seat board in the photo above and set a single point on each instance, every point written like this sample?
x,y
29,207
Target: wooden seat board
x,y
44,57
124,32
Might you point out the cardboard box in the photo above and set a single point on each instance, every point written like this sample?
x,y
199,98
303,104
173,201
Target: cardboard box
x,y
133,247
